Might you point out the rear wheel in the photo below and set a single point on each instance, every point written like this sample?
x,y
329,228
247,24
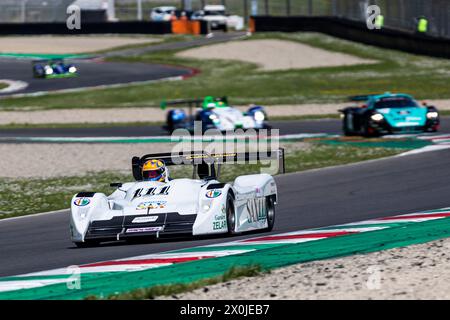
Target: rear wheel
x,y
345,124
231,214
270,204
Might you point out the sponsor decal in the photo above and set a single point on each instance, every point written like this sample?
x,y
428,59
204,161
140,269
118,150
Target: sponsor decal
x,y
256,209
220,222
145,219
219,217
413,118
81,202
154,191
213,193
151,205
148,229
219,225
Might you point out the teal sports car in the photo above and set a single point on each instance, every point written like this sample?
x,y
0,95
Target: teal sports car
x,y
388,113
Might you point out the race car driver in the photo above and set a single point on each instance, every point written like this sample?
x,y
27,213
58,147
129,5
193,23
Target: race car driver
x,y
155,170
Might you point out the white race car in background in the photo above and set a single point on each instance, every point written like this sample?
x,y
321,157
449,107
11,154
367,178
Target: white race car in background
x,y
187,207
163,13
218,19
213,113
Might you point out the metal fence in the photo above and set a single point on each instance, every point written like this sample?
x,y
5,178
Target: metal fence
x,y
398,14
33,10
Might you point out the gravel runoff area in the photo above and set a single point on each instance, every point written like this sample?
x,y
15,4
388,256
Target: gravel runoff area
x,y
67,44
413,272
77,159
122,115
289,54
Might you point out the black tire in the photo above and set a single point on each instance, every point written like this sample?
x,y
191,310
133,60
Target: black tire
x,y
270,203
87,244
345,128
231,214
365,131
170,127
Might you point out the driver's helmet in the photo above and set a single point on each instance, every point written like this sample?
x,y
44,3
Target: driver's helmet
x,y
154,170
58,67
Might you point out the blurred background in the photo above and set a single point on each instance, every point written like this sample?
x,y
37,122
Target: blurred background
x,y
398,14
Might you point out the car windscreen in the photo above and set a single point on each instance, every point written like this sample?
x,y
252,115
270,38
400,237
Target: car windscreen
x,y
395,102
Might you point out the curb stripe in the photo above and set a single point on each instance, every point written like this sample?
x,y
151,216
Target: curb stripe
x,y
417,216
300,236
145,261
107,269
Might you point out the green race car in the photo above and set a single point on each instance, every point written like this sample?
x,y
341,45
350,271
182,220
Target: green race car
x,y
53,68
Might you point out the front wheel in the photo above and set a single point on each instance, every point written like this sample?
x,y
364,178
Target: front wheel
x,y
347,125
270,204
231,214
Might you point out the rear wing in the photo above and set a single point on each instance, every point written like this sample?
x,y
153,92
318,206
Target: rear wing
x,y
191,103
366,97
46,61
202,157
361,97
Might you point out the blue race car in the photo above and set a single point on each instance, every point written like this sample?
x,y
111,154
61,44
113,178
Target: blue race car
x,y
388,114
214,113
53,68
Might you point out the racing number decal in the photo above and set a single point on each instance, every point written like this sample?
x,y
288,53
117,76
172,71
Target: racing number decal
x,y
256,209
164,191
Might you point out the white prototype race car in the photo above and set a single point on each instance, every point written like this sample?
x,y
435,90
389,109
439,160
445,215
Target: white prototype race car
x,y
213,113
180,207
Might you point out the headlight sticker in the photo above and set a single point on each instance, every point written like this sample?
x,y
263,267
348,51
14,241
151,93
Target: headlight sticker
x,y
213,193
82,202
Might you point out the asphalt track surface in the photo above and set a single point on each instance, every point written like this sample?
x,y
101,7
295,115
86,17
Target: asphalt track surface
x,y
328,126
96,72
315,198
91,73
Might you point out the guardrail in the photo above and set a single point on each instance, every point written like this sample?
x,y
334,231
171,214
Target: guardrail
x,y
123,27
356,31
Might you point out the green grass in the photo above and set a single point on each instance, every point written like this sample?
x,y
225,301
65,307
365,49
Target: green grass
x,y
3,85
174,289
424,77
28,196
